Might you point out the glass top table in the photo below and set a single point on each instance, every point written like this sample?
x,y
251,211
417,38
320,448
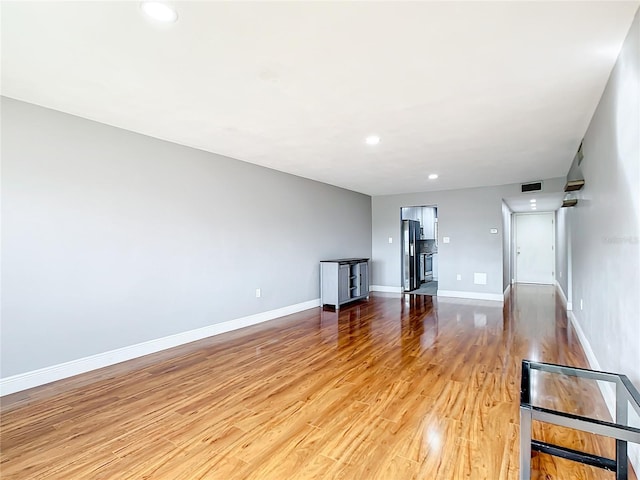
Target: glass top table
x,y
570,397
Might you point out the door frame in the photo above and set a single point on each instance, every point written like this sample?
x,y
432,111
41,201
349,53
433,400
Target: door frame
x,y
401,242
515,245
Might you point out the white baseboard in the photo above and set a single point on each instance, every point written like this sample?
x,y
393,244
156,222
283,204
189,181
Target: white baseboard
x,y
563,297
42,376
506,292
606,388
385,288
497,297
586,346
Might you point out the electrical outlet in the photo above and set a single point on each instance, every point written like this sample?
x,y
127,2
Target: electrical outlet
x,y
458,277
446,239
258,293
390,239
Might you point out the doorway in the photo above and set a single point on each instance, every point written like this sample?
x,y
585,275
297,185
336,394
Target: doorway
x,y
419,233
535,245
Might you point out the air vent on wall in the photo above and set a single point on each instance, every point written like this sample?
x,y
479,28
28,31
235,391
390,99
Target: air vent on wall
x,y
531,187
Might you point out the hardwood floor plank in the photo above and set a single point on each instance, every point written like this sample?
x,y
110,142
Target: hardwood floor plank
x,y
399,387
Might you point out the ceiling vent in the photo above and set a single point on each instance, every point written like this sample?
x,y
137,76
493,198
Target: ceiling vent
x,y
532,187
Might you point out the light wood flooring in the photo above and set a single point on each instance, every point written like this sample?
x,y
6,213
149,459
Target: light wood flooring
x,y
393,388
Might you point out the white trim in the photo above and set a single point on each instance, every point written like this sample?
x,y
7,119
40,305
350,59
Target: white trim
x,y
384,288
606,388
586,346
498,297
567,304
34,378
553,244
506,292
563,297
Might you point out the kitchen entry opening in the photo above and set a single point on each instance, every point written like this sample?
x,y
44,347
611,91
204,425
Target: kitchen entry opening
x,y
419,236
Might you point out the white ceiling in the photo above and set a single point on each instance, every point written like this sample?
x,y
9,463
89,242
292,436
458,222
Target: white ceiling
x,y
544,202
481,93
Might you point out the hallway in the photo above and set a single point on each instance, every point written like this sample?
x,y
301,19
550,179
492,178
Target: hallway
x,y
410,387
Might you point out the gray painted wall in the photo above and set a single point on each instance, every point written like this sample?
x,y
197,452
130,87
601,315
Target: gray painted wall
x,y
562,247
466,216
605,223
604,235
111,238
506,245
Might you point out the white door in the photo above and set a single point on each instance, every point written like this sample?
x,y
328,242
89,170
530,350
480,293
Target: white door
x,y
535,256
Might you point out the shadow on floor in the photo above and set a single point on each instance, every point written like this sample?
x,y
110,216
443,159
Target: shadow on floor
x,y
429,288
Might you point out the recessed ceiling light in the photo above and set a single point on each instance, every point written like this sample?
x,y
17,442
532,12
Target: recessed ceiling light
x,y
533,207
533,200
159,11
372,140
433,176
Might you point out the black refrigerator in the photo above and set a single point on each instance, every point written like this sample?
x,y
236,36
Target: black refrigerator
x,y
410,255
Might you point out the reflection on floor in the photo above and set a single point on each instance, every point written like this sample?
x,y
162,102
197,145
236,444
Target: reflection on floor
x,y
396,387
429,288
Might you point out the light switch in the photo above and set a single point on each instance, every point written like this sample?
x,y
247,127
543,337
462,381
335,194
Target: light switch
x,y
445,239
390,239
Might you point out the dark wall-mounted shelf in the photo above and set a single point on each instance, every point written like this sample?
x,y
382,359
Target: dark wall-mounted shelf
x,y
574,185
